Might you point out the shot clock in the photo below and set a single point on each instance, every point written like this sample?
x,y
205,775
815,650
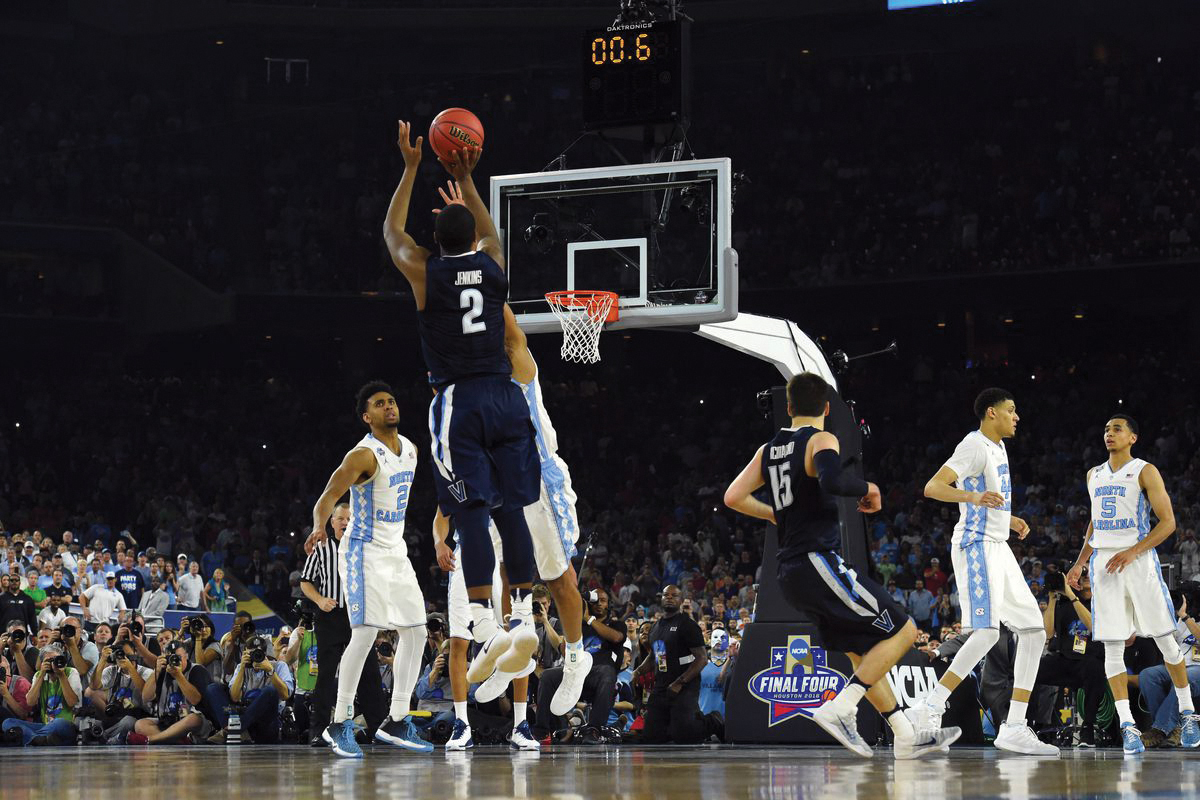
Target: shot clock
x,y
636,74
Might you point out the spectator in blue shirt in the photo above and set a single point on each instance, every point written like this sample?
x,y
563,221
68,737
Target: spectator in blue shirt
x,y
921,603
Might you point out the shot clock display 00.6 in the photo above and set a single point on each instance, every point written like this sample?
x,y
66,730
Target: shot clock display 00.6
x,y
635,74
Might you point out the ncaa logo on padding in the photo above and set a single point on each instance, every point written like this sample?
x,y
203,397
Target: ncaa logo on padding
x,y
797,682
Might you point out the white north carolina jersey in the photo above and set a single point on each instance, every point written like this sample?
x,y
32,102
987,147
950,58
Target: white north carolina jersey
x,y
547,438
378,505
1120,513
981,466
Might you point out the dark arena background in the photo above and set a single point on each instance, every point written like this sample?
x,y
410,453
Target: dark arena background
x,y
915,200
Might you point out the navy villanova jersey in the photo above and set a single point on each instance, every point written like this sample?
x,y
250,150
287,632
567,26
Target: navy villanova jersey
x,y
462,324
807,517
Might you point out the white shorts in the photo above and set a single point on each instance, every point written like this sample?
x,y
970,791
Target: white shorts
x,y
458,606
992,589
1134,600
552,521
380,585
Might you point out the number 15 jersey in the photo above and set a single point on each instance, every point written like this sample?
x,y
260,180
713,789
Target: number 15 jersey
x,y
462,324
807,517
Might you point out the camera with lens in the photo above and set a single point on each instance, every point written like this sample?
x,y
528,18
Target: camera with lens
x,y
306,620
174,660
67,631
18,636
59,662
1055,582
385,649
258,651
196,626
117,655
248,629
136,629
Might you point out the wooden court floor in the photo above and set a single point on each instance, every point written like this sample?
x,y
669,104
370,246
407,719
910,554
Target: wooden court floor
x,y
691,773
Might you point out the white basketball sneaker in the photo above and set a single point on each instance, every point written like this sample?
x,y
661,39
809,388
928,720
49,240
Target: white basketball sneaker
x,y
926,741
1022,739
485,659
843,727
576,667
499,680
926,715
523,642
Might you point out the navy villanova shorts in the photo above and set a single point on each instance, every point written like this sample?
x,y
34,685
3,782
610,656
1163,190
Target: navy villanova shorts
x,y
852,612
483,446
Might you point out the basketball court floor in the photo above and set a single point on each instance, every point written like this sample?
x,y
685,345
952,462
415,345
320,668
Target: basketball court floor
x,y
695,773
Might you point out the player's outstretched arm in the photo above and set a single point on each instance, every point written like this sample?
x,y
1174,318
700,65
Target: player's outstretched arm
x,y
441,532
407,255
516,343
940,488
739,495
825,462
460,165
358,462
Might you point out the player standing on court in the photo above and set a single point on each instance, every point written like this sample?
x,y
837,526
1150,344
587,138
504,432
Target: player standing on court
x,y
485,460
991,587
378,579
855,615
1129,595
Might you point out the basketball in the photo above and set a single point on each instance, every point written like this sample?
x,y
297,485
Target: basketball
x,y
454,129
827,696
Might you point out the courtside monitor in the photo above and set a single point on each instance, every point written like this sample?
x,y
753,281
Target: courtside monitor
x,y
658,235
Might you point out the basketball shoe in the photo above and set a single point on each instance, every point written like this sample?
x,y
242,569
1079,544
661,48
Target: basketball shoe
x,y
498,681
1022,739
1131,739
843,727
926,741
461,738
576,667
522,738
340,736
523,641
402,733
485,660
1189,731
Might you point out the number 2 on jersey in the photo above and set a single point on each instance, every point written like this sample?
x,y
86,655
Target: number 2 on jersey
x,y
472,299
781,485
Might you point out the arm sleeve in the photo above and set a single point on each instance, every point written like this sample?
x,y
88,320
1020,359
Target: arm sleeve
x,y
967,460
834,480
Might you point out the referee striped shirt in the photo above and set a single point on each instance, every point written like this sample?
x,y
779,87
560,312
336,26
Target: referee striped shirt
x,y
321,570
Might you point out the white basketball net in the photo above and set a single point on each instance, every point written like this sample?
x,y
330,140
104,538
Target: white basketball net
x,y
582,316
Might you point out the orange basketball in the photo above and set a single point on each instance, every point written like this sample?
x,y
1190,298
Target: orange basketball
x,y
454,129
828,695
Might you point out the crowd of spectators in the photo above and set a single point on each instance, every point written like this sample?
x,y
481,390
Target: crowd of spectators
x,y
884,168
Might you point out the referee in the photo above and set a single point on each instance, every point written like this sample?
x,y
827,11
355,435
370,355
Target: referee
x,y
322,585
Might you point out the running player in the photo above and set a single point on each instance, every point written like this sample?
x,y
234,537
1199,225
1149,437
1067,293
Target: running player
x,y
854,614
379,581
991,588
484,456
1128,593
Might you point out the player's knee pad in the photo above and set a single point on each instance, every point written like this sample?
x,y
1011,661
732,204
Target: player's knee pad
x,y
974,649
478,558
1114,659
1169,648
517,545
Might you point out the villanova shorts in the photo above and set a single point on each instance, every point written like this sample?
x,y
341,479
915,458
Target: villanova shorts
x,y
852,612
483,447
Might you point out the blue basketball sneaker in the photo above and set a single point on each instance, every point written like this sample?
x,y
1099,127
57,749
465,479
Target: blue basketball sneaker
x,y
461,738
403,734
1131,739
1189,731
522,738
340,736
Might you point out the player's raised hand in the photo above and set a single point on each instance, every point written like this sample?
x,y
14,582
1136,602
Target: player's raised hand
x,y
454,196
987,499
411,152
461,162
872,501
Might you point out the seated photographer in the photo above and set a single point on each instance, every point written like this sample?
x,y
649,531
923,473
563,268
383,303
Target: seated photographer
x,y
433,690
604,638
173,692
58,691
1155,684
134,632
260,684
204,649
19,654
116,689
234,642
1073,660
13,692
83,654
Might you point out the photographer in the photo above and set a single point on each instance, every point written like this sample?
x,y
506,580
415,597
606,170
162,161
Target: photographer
x,y
550,640
59,692
133,632
173,693
19,653
82,654
1074,660
205,649
116,687
604,638
260,684
234,642
14,689
1155,682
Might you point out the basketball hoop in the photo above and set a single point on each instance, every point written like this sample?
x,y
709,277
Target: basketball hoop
x,y
583,314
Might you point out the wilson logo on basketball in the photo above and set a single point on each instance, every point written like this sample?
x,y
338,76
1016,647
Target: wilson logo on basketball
x,y
464,137
798,682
